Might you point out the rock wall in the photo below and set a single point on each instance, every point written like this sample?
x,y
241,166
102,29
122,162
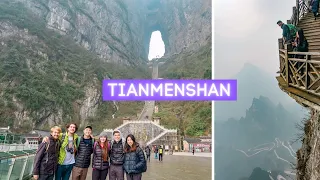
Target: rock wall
x,y
309,154
120,30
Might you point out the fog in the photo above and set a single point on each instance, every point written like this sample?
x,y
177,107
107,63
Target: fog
x,y
246,31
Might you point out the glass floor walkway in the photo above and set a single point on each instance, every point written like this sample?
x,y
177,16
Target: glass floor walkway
x,y
16,165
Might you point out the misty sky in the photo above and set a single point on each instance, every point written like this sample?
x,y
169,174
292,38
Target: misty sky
x,y
156,47
246,31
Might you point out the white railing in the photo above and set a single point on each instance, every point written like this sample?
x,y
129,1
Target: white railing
x,y
17,147
157,137
17,168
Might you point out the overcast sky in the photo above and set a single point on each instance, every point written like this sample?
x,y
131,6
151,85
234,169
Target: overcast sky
x,y
246,31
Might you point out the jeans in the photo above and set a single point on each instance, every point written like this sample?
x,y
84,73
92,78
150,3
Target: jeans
x,y
63,172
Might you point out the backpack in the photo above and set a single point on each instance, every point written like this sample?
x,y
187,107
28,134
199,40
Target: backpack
x,y
160,151
293,29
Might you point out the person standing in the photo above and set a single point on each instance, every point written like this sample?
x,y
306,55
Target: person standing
x,y
100,160
67,151
160,153
45,161
116,157
315,8
83,155
156,152
134,159
148,150
288,32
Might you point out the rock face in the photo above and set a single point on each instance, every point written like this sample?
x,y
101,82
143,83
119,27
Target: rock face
x,y
117,31
309,154
120,30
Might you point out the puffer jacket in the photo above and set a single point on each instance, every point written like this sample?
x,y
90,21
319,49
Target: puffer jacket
x,y
83,154
97,160
134,162
117,154
46,159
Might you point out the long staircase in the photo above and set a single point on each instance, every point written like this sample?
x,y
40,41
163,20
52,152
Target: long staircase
x,y
144,120
311,30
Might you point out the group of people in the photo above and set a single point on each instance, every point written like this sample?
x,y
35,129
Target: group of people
x,y
61,154
295,40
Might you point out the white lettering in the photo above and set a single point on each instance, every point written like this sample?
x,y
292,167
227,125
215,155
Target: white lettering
x,y
213,90
190,89
145,90
167,89
121,89
199,89
112,87
226,90
154,89
132,90
177,88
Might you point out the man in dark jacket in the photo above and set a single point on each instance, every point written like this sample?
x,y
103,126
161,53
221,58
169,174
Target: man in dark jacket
x,y
287,35
116,157
148,150
46,159
83,155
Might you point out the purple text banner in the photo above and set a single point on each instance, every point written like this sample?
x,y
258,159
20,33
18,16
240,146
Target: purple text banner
x,y
169,90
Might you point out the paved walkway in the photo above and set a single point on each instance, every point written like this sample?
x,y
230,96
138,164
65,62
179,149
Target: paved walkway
x,y
176,167
196,154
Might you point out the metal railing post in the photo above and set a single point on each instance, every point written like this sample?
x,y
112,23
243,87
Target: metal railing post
x,y
10,168
23,167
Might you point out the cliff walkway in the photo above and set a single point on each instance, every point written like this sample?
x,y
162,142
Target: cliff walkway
x,y
300,78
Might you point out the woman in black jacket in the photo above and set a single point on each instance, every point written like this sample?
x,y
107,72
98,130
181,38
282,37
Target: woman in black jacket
x,y
300,45
100,163
134,159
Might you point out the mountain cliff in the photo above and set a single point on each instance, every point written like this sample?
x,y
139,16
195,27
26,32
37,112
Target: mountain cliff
x,y
254,82
308,155
259,139
55,53
120,30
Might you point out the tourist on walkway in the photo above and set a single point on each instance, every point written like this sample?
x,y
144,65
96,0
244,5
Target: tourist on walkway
x,y
315,7
160,153
156,152
134,159
100,160
83,155
193,151
288,32
148,150
45,161
300,45
116,157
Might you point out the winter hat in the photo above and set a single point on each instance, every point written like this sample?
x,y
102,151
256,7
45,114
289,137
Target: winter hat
x,y
103,134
